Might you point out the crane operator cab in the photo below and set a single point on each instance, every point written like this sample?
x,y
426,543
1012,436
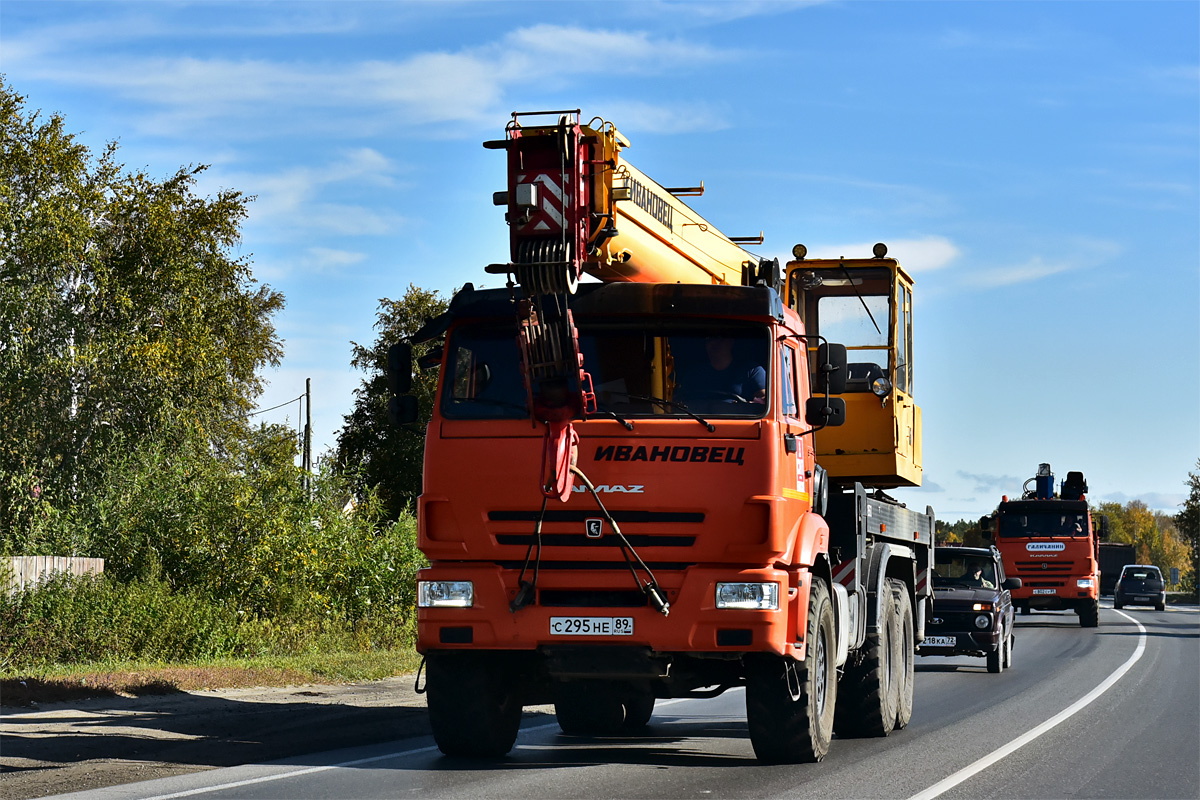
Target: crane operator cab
x,y
866,304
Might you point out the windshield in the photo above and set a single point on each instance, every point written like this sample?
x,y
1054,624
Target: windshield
x,y
1044,523
672,369
1141,574
852,307
958,569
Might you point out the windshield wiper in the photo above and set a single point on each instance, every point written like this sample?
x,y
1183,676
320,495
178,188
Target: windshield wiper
x,y
614,415
673,405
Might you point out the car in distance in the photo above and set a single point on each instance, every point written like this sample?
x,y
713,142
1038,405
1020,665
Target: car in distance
x,y
972,607
1140,585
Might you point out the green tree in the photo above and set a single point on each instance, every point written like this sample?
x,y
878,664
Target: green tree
x,y
123,316
1187,523
1153,534
381,456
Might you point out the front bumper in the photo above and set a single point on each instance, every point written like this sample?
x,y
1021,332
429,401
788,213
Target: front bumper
x,y
694,623
966,643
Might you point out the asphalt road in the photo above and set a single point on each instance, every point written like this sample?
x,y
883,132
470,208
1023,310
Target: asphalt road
x,y
1111,712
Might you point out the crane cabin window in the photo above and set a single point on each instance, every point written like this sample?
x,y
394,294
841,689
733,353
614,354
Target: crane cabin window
x,y
852,306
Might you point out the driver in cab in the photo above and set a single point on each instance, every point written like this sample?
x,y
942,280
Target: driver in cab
x,y
723,379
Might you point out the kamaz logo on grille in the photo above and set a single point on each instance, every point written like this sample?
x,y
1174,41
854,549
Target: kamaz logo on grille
x,y
1045,547
616,488
594,528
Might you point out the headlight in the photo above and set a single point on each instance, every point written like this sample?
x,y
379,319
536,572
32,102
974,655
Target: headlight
x,y
754,596
983,621
445,594
1084,583
982,607
881,387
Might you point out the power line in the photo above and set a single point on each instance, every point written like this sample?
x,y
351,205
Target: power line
x,y
272,408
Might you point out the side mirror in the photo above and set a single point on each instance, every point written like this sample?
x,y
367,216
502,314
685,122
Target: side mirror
x,y
399,368
1011,583
820,412
985,528
831,369
402,410
431,359
1104,527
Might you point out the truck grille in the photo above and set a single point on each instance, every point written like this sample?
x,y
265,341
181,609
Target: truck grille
x,y
581,540
952,620
565,515
1035,567
591,598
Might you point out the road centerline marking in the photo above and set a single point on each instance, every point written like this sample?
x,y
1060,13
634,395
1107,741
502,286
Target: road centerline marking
x,y
971,770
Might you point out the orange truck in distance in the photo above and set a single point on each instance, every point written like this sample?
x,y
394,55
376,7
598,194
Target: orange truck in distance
x,y
1049,541
624,498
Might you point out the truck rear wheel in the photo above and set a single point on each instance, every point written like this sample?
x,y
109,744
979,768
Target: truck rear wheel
x,y
868,694
473,708
1089,614
639,707
589,709
790,704
906,660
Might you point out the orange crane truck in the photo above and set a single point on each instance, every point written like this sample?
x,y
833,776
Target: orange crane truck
x,y
1049,541
639,486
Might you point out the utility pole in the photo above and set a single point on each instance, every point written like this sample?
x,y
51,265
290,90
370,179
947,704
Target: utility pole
x,y
307,456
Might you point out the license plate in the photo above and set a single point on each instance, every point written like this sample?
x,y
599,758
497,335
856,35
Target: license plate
x,y
939,641
591,626
1141,599
1043,591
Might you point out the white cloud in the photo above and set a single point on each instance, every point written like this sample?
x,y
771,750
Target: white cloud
x,y
989,485
917,255
328,260
286,200
1081,254
666,118
1156,501
468,86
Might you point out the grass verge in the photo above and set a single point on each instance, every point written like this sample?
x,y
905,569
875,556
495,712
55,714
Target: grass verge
x,y
135,678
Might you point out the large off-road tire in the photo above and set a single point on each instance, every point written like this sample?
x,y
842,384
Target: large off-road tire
x,y
473,708
868,693
905,640
589,709
789,703
1089,615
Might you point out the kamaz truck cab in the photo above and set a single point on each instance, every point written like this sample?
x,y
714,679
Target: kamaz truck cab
x,y
1050,543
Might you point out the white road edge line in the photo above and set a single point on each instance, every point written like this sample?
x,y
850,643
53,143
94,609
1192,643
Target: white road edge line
x,y
967,772
357,762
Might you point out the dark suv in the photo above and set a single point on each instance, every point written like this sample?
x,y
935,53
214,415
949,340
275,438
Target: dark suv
x,y
972,607
1141,585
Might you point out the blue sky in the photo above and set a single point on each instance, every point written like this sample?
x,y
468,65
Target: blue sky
x,y
1035,165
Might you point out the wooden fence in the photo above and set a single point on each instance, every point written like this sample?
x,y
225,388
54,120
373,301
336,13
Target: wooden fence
x,y
32,570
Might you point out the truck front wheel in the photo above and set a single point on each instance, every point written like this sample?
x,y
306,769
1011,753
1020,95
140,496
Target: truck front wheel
x,y
1089,614
789,704
474,709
